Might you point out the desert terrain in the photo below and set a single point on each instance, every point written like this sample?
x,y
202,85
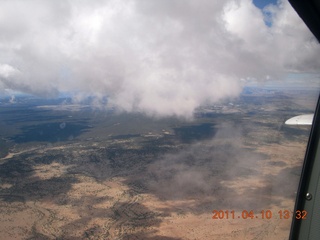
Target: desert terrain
x,y
70,173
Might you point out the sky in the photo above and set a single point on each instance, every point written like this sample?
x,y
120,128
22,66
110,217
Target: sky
x,y
159,57
263,3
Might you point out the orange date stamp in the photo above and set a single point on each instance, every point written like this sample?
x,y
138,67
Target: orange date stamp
x,y
263,214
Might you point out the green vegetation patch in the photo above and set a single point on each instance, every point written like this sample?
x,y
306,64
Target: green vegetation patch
x,y
4,148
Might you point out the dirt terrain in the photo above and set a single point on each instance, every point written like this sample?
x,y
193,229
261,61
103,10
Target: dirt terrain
x,y
130,177
62,199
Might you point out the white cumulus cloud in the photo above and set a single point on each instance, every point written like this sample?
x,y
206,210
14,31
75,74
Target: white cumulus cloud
x,y
160,57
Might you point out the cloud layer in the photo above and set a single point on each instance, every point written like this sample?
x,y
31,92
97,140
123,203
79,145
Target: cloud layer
x,y
160,57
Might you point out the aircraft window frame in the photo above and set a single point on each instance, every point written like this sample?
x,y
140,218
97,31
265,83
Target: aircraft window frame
x,y
308,194
309,188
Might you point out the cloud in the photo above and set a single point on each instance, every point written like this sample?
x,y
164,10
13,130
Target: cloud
x,y
199,168
211,168
222,172
160,57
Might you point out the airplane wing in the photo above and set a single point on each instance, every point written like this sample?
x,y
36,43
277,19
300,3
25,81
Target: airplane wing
x,y
300,120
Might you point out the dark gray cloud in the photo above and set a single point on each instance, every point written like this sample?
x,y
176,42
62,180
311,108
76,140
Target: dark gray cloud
x,y
159,57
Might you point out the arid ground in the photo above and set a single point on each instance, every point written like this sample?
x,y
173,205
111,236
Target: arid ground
x,y
77,175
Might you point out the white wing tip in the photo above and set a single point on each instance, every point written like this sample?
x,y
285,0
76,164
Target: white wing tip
x,y
300,120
